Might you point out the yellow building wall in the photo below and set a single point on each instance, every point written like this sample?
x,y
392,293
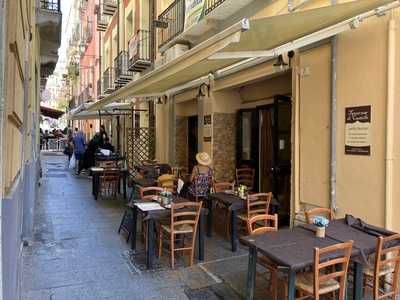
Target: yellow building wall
x,y
314,124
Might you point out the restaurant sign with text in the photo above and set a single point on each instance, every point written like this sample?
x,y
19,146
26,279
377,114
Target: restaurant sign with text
x,y
358,130
194,12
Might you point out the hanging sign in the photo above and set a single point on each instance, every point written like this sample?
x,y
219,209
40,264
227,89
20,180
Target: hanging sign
x,y
133,46
358,130
194,12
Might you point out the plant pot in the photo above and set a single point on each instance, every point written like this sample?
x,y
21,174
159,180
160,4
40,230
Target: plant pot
x,y
320,232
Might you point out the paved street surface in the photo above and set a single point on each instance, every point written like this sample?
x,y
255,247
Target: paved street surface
x,y
77,253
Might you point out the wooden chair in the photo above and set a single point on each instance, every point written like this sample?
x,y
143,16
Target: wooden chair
x,y
319,211
256,204
167,181
148,193
245,176
329,275
109,182
260,224
386,266
184,221
223,186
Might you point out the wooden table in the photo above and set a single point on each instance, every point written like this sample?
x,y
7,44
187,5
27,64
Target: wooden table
x,y
233,203
293,250
97,172
154,216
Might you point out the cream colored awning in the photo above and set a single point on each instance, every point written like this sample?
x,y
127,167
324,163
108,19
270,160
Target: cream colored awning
x,y
263,37
106,112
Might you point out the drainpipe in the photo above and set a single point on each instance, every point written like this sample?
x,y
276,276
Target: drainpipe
x,y
332,198
390,123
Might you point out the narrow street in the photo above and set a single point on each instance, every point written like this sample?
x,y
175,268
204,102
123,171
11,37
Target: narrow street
x,y
77,253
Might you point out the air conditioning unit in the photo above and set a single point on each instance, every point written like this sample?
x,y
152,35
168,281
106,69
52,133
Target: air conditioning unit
x,y
175,51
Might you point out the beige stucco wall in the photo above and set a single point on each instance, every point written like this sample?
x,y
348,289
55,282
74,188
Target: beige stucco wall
x,y
314,124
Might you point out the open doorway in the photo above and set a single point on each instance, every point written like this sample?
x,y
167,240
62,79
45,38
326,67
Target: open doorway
x,y
265,145
192,141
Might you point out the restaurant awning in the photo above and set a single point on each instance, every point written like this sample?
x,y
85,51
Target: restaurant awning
x,y
263,37
108,111
51,112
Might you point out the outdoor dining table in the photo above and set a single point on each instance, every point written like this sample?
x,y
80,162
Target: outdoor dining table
x,y
293,251
153,216
234,204
97,172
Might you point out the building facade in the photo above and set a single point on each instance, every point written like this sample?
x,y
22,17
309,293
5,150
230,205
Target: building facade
x,y
285,103
30,36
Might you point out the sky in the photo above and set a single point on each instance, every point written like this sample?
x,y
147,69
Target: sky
x,y
66,9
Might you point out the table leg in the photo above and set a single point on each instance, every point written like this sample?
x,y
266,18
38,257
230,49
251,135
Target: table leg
x,y
96,183
292,285
234,240
251,273
150,243
134,228
201,236
209,217
124,185
93,184
358,281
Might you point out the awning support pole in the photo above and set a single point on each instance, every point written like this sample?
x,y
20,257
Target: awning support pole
x,y
332,185
390,123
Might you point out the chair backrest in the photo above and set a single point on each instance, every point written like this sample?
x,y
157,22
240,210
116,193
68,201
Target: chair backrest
x,y
258,204
107,164
262,223
109,181
167,181
332,262
223,186
387,254
319,211
245,176
148,193
185,214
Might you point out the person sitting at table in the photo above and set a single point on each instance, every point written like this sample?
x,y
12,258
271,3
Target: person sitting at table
x,y
202,177
107,145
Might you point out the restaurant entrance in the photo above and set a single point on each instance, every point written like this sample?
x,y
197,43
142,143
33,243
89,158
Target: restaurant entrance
x,y
265,145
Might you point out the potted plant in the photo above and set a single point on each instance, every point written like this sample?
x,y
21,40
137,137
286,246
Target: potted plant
x,y
321,223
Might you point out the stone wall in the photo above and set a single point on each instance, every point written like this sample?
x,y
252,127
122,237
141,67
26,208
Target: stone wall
x,y
181,146
224,146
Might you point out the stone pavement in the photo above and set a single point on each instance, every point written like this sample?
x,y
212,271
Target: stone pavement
x,y
77,253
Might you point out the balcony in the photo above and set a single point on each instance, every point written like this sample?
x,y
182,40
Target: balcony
x,y
139,51
173,20
48,20
109,7
102,20
108,82
88,32
122,73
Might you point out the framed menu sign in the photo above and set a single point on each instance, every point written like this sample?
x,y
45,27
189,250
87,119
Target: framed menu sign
x,y
358,130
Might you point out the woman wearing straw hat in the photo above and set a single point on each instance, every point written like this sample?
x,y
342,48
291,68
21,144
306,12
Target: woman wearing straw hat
x,y
201,178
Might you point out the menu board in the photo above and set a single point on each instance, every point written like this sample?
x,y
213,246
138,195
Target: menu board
x,y
358,130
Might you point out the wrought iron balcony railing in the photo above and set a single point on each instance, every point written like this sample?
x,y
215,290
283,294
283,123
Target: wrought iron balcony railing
x,y
174,18
108,81
102,20
122,73
210,5
139,51
53,5
109,7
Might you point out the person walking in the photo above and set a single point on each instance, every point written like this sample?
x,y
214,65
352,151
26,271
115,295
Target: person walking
x,y
69,147
79,149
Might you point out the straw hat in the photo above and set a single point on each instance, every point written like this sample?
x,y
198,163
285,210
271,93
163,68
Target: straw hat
x,y
203,158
